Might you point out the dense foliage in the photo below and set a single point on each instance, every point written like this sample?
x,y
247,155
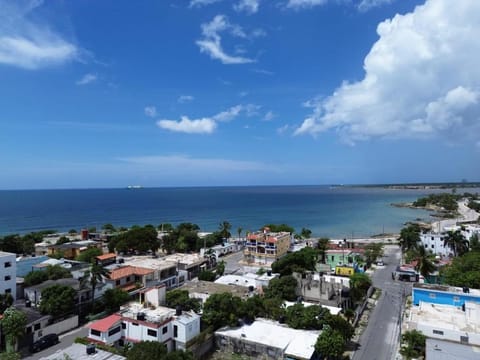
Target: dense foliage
x,y
444,200
279,228
221,310
52,272
330,344
113,298
6,300
299,261
409,237
25,244
137,239
464,271
13,325
57,300
184,238
153,350
89,255
359,284
413,344
373,251
181,298
283,287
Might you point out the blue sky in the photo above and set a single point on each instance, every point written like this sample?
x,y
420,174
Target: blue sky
x,y
238,92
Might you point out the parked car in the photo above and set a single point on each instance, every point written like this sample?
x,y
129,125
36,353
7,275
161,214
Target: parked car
x,y
380,263
44,342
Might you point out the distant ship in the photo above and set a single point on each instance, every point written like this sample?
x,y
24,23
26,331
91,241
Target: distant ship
x,y
134,187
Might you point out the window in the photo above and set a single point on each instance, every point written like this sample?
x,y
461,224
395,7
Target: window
x,y
433,238
8,291
95,332
151,332
28,329
128,278
36,326
7,277
175,330
438,332
7,264
134,324
426,246
114,331
164,330
333,258
124,326
464,339
117,282
433,246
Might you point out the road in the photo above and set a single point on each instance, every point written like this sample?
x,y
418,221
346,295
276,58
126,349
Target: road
x,y
65,341
380,339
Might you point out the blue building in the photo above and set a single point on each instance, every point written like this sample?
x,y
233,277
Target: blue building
x,y
25,264
445,295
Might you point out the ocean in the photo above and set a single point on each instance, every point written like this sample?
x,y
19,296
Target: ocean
x,y
340,212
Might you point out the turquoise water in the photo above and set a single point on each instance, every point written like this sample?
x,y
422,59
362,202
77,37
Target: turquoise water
x,y
334,212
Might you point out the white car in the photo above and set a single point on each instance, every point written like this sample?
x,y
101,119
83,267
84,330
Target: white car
x,y
380,263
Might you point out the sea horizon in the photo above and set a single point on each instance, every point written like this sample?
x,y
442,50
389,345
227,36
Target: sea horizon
x,y
327,210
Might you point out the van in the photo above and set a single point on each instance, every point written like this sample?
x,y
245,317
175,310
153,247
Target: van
x,y
44,342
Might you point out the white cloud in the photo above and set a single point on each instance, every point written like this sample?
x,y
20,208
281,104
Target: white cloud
x,y
150,111
283,129
29,44
200,3
366,5
249,6
206,125
87,79
211,42
300,4
270,115
185,125
182,99
421,79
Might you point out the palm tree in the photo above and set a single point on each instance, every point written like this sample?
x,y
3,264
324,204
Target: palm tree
x,y
322,247
457,242
93,276
225,227
239,231
424,265
409,237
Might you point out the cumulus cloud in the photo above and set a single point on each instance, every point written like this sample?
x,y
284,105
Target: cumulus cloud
x,y
270,115
206,125
300,4
211,43
182,99
87,79
150,111
366,5
249,6
200,3
421,79
29,44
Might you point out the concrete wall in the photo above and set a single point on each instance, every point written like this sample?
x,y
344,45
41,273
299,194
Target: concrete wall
x,y
437,332
57,328
442,297
8,274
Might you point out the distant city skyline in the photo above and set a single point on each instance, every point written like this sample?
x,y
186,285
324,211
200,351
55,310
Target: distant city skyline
x,y
238,92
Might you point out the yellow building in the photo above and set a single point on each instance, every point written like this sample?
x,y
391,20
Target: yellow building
x,y
264,247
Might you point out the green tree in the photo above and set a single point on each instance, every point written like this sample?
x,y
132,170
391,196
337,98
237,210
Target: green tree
x,y
89,255
93,276
299,261
274,308
279,228
221,310
181,298
207,275
457,242
6,300
165,227
239,232
10,356
349,314
306,233
311,317
413,344
338,323
425,265
322,247
409,237
474,243
113,298
13,325
52,272
330,344
220,269
147,350
57,300
225,228
283,288
464,271
373,251
109,228
359,284
72,232
62,240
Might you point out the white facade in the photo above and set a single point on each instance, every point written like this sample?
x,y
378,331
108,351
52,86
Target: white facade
x,y
447,322
434,242
8,274
185,327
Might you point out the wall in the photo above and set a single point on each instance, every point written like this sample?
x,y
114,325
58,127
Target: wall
x,y
8,277
448,334
442,297
24,265
57,328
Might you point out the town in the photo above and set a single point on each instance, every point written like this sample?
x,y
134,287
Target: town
x,y
170,292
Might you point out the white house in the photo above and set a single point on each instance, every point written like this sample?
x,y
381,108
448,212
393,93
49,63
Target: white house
x,y
434,242
147,321
8,274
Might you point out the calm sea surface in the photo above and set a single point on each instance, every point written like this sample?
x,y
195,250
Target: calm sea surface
x,y
334,212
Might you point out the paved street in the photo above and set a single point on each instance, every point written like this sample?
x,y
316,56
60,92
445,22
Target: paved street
x,y
379,341
65,341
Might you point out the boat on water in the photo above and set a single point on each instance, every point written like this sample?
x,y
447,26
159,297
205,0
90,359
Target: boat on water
x,y
133,187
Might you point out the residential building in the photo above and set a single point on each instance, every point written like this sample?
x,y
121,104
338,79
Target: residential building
x,y
129,277
446,350
8,274
25,264
202,290
265,247
80,352
315,287
269,340
72,249
435,243
106,259
147,321
248,280
443,295
447,322
341,257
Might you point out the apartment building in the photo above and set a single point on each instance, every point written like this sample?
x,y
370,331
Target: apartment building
x,y
265,247
8,274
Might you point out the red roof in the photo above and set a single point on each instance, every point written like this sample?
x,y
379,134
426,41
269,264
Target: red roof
x,y
128,270
105,323
106,256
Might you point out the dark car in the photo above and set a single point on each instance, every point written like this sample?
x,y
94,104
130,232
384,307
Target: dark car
x,y
44,342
